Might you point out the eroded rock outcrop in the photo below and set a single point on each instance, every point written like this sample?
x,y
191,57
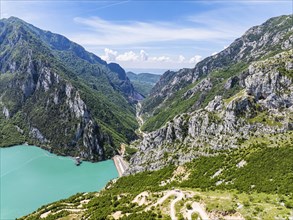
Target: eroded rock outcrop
x,y
263,106
273,35
55,94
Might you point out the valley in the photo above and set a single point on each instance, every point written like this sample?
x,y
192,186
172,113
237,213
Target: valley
x,y
240,184
214,141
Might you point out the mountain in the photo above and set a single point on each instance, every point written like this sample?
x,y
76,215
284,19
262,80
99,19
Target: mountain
x,y
143,82
220,144
55,94
244,91
179,92
263,106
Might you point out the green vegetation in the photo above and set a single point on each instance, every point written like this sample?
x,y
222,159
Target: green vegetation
x,y
9,134
265,118
254,179
179,103
195,216
129,151
143,82
288,73
12,132
257,177
36,92
267,170
170,101
142,87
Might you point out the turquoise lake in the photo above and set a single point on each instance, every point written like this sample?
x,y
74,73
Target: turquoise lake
x,y
32,177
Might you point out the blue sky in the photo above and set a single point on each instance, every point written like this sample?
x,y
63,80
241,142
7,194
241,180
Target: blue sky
x,y
148,34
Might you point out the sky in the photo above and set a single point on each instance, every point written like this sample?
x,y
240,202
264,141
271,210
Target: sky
x,y
148,36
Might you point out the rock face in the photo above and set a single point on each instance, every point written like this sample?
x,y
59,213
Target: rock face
x,y
264,105
275,35
124,83
60,96
241,92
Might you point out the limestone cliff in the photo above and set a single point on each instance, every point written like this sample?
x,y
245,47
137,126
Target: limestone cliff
x,y
264,105
265,40
55,94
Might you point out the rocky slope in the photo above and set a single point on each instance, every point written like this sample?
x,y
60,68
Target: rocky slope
x,y
272,37
55,94
223,107
234,124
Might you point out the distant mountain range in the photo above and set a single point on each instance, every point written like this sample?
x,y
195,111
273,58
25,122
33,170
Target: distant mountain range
x,y
143,82
55,94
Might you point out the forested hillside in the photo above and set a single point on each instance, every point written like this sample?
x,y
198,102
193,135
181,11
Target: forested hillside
x,y
57,95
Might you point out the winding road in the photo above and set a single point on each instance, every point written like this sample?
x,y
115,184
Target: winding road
x,y
139,119
197,207
179,195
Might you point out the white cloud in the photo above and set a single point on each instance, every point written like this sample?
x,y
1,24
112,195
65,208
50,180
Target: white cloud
x,y
128,56
110,55
181,59
113,33
143,55
195,59
141,58
161,59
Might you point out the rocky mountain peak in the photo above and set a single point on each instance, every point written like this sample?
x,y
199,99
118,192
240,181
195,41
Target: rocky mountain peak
x,y
265,40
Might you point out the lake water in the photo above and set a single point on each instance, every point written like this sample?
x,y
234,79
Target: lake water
x,y
31,177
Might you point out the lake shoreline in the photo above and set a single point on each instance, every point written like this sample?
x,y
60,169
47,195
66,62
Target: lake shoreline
x,y
32,177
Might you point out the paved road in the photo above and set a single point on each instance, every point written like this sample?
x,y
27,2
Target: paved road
x,y
179,196
197,207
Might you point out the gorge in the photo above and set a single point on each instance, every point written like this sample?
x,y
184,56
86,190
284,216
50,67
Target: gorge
x,y
211,141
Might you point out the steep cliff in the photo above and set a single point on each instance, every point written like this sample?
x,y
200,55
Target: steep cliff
x,y
221,144
55,94
224,101
171,95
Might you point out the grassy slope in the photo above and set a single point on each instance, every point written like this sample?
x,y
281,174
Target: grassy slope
x,y
261,186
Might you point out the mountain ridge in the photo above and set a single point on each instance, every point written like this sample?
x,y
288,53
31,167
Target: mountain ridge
x,y
56,95
143,82
197,113
256,42
222,149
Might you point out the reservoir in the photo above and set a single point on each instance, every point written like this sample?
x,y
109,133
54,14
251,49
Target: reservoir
x,y
31,177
